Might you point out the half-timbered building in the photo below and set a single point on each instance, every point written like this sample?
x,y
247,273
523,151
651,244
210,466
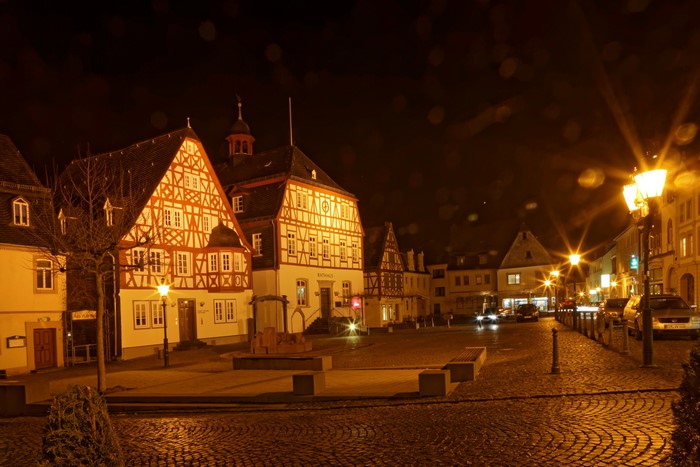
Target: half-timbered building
x,y
304,228
180,230
33,289
383,275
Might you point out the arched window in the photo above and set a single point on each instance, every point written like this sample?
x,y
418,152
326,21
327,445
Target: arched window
x,y
20,212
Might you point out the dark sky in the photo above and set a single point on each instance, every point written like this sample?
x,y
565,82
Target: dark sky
x,y
434,113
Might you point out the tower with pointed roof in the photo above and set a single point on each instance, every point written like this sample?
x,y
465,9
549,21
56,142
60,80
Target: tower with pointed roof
x,y
240,141
305,230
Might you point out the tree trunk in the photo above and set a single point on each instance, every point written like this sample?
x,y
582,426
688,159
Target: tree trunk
x,y
101,367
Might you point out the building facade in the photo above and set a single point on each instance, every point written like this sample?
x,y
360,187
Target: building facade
x,y
305,231
32,286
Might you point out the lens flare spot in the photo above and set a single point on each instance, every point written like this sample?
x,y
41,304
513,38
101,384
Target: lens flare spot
x,y
685,133
591,178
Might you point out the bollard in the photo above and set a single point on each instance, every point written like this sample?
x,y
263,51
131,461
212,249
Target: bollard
x,y
625,338
610,334
555,353
585,324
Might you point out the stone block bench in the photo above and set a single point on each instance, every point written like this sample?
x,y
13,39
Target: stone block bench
x,y
466,365
433,382
274,362
15,396
309,383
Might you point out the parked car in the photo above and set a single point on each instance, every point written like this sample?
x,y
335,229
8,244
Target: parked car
x,y
527,312
670,315
611,310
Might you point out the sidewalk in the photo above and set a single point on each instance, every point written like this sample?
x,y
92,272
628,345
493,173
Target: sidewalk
x,y
382,366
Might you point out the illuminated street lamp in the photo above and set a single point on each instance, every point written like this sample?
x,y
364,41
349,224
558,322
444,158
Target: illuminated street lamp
x,y
555,275
163,290
574,259
641,200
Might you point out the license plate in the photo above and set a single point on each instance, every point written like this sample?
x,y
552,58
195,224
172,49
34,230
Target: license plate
x,y
674,326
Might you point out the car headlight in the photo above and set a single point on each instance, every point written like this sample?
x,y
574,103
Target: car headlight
x,y
493,316
479,318
695,320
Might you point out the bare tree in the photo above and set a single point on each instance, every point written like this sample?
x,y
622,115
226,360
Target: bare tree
x,y
95,204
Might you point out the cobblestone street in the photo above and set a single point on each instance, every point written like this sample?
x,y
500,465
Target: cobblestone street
x,y
603,409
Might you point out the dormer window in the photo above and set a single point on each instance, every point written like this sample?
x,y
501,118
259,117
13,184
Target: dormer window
x,y
238,204
20,212
313,174
62,222
109,213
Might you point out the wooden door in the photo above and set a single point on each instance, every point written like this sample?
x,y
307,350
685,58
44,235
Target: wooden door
x,y
187,319
44,348
325,302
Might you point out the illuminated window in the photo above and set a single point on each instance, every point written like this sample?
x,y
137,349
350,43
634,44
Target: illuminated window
x,y
139,259
238,262
213,262
301,292
312,247
219,311
302,201
355,249
155,261
226,262
326,249
183,264
230,311
343,251
513,279
347,292
20,212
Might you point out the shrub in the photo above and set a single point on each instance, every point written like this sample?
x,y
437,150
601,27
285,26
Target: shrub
x,y
685,439
78,431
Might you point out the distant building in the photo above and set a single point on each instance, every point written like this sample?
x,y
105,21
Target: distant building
x,y
305,231
416,286
384,279
32,286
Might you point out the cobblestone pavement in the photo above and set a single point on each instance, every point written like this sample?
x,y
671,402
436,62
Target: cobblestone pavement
x,y
602,409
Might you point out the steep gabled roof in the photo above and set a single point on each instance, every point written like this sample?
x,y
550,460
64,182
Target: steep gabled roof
x,y
137,169
287,161
260,202
18,180
375,243
526,251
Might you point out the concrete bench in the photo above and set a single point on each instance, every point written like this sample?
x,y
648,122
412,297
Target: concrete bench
x,y
433,382
15,396
466,365
272,362
309,383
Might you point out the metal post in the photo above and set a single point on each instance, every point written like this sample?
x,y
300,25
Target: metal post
x,y
556,300
166,357
625,338
555,352
585,324
647,329
610,334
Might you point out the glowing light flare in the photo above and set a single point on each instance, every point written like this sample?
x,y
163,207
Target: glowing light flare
x,y
163,290
651,183
574,259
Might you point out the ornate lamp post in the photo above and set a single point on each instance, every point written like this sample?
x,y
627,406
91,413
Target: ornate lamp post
x,y
641,200
163,290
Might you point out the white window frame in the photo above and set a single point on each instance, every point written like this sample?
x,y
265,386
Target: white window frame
x,y
183,263
44,275
231,311
237,202
155,261
326,248
205,224
226,265
302,292
157,314
302,201
355,248
237,262
138,262
513,278
347,292
213,263
219,316
20,212
343,251
312,247
291,243
141,309
257,243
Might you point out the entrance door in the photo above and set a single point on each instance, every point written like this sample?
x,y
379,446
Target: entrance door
x,y
325,302
44,348
188,323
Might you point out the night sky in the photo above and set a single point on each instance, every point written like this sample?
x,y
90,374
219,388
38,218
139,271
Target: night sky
x,y
435,114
